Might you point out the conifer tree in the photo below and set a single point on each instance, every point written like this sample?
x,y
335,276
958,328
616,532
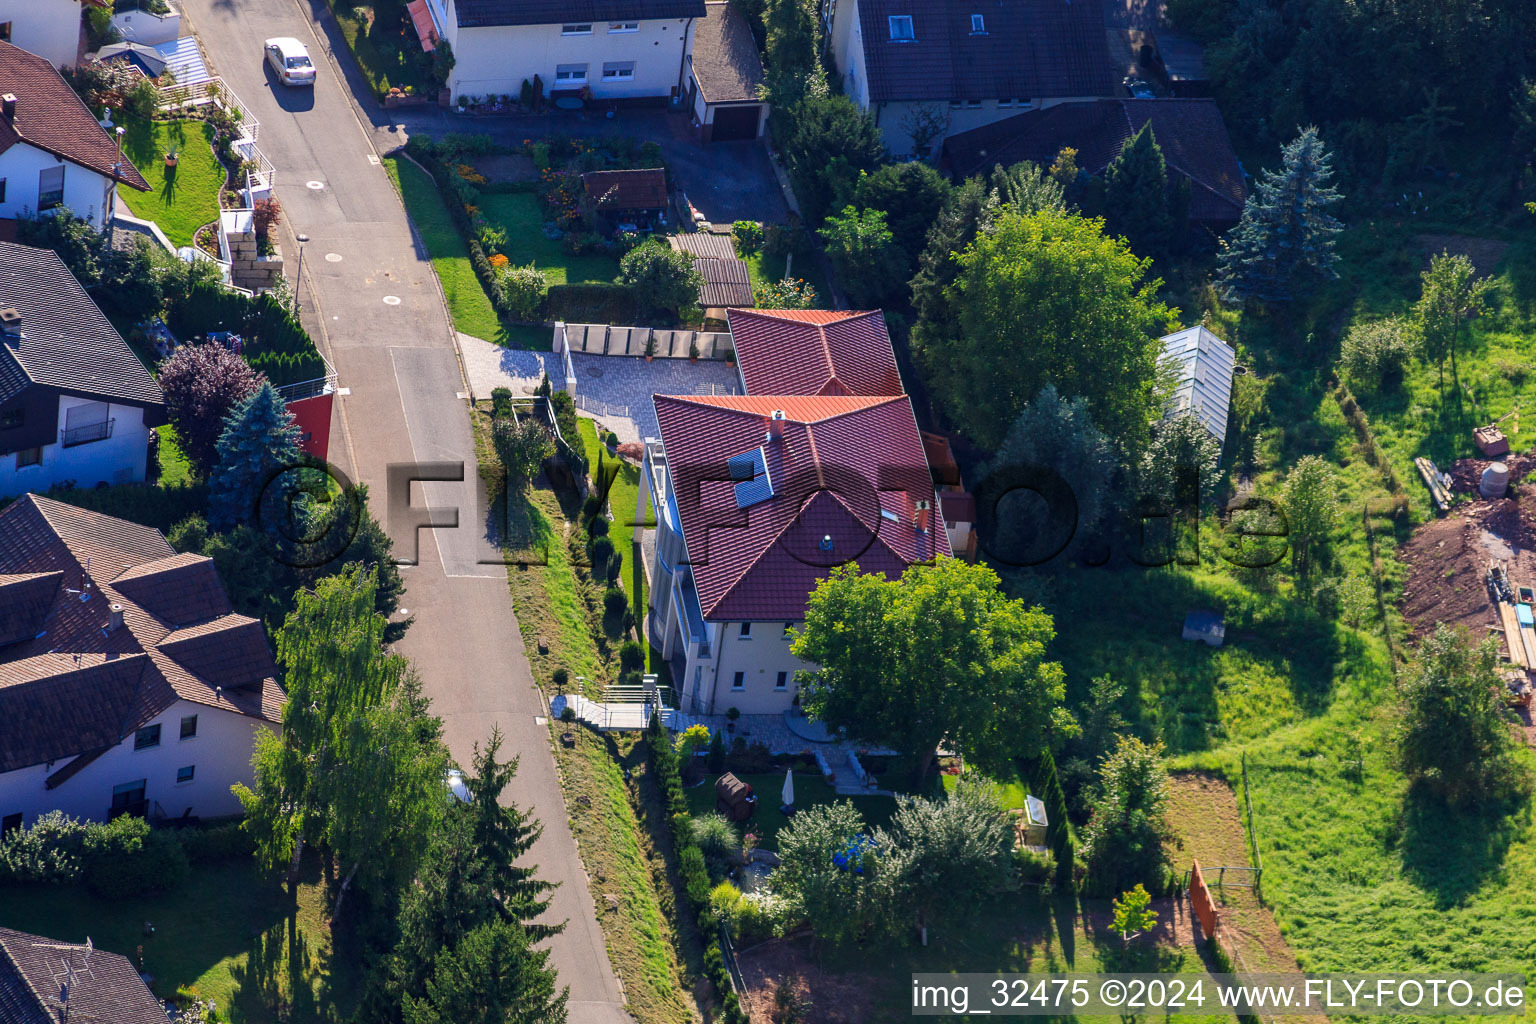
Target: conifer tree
x,y
1283,247
1136,195
259,441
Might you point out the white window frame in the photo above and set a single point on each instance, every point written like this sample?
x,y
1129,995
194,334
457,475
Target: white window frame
x,y
781,681
570,79
902,19
617,27
619,71
577,28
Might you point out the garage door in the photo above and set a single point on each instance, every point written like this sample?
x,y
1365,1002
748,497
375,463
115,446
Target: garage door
x,y
732,123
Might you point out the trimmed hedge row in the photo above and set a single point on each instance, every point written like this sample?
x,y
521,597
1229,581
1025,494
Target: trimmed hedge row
x,y
1041,775
116,859
693,876
275,343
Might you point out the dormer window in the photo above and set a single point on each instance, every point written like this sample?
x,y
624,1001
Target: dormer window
x,y
901,28
978,25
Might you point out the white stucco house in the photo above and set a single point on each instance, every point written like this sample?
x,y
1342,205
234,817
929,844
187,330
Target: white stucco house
x,y
53,153
615,50
49,28
127,685
75,402
937,67
758,497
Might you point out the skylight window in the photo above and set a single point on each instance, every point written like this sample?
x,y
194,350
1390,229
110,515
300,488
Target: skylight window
x,y
901,28
978,25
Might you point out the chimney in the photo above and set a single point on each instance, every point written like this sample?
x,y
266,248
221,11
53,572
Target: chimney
x,y
924,510
10,322
826,542
114,618
776,425
8,106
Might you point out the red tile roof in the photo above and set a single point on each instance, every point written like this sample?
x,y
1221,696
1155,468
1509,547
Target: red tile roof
x,y
52,118
814,352
848,468
68,685
644,189
1190,133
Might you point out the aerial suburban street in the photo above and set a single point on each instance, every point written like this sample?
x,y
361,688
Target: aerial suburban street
x,y
406,405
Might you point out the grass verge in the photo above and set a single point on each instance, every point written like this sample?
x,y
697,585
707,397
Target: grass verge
x,y
468,304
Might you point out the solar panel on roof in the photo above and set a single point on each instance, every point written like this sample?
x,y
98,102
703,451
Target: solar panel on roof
x,y
751,468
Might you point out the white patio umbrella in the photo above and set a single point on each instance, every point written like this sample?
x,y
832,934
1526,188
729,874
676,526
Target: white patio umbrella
x,y
789,788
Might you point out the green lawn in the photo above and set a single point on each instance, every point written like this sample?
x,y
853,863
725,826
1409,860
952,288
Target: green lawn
x,y
623,494
181,198
175,467
1011,792
471,309
519,213
810,790
388,52
229,933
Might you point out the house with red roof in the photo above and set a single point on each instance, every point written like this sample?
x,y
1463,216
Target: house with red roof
x,y
53,153
128,685
759,496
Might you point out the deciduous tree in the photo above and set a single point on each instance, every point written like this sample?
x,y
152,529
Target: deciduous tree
x,y
1047,298
869,264
939,654
202,384
911,194
827,866
1311,506
1455,737
522,447
1128,828
827,141
1450,298
663,278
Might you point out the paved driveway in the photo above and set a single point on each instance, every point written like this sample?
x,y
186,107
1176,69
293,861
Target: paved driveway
x,y
378,308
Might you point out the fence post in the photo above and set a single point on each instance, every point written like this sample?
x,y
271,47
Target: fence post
x,y
1253,835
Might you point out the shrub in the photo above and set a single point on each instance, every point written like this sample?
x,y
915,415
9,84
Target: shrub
x,y
790,293
266,214
615,568
220,842
125,858
748,236
560,677
752,759
614,602
1374,354
602,548
524,290
694,875
724,904
598,527
662,278
501,402
631,656
49,851
714,833
522,447
203,384
591,506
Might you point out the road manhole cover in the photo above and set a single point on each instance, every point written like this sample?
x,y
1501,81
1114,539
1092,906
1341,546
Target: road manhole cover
x,y
333,257
593,371
315,185
391,300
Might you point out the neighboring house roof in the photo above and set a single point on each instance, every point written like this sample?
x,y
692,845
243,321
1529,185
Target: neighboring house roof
x,y
726,283
52,118
490,13
756,495
107,988
1204,363
67,343
814,352
68,685
1030,49
726,63
627,190
1190,133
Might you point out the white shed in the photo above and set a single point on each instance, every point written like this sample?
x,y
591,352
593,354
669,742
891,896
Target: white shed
x,y
1205,366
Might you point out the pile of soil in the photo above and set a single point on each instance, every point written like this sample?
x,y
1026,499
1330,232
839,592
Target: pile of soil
x,y
1467,474
1448,558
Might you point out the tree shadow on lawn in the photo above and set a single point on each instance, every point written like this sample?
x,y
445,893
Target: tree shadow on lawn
x,y
1451,852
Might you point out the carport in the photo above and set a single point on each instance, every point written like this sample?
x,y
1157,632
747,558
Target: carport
x,y
725,75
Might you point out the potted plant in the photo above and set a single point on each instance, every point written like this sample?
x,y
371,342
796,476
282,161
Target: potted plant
x,y
730,360
172,155
693,352
650,348
731,714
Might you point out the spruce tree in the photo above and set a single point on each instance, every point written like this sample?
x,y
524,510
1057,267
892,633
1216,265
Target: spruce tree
x,y
1283,247
259,442
1136,195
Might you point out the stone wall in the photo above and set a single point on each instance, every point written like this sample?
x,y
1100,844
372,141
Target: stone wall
x,y
247,268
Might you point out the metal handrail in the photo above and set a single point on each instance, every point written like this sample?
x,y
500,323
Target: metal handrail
x,y
73,436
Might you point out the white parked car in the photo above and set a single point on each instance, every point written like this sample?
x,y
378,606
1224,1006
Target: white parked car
x,y
290,60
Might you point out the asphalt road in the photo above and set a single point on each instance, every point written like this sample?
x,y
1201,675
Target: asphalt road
x,y
368,285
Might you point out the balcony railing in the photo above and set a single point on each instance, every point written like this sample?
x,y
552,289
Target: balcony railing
x,y
86,434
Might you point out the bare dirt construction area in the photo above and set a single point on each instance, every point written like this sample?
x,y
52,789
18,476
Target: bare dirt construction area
x,y
1484,253
1210,827
1448,559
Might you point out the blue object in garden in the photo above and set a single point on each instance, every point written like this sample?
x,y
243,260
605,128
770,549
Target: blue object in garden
x,y
851,856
